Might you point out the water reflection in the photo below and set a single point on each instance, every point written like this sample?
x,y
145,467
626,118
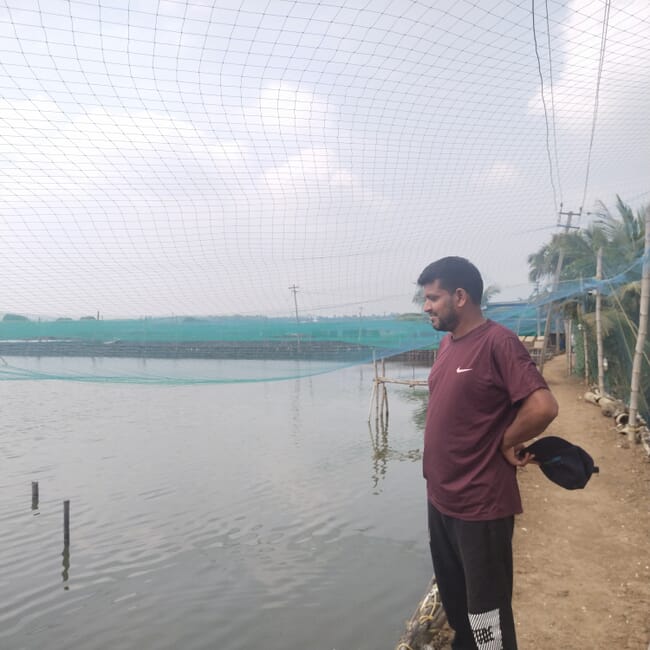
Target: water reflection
x,y
297,401
296,420
378,428
421,399
379,443
65,574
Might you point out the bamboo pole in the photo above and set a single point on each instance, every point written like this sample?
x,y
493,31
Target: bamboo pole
x,y
567,346
382,390
377,402
586,353
570,344
547,329
385,391
379,393
572,348
404,382
599,326
635,382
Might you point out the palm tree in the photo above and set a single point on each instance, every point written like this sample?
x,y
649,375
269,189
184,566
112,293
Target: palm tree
x,y
621,236
579,260
488,293
625,235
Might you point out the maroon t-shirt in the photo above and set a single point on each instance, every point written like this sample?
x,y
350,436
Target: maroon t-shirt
x,y
476,386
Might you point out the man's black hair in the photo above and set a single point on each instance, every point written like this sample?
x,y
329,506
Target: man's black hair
x,y
454,273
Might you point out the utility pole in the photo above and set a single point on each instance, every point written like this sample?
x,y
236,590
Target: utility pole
x,y
599,324
294,288
568,215
556,278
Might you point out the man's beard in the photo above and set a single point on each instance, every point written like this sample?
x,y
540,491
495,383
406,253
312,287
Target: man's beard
x,y
447,324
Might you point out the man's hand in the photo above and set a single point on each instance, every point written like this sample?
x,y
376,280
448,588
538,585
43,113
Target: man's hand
x,y
514,456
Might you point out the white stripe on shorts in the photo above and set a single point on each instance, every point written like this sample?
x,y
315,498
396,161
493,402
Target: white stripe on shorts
x,y
487,630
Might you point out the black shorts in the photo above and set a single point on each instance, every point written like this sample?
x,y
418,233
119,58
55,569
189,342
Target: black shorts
x,y
472,561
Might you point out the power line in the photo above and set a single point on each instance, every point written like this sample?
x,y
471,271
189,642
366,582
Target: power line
x,y
603,41
550,72
541,83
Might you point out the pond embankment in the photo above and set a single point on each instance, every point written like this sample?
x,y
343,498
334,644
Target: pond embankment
x,y
582,560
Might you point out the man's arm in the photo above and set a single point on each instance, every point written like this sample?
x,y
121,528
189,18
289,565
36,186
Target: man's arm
x,y
536,412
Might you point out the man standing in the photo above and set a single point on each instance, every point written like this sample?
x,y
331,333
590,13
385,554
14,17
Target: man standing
x,y
486,398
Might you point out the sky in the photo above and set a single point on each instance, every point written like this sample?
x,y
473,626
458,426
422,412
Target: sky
x,y
171,157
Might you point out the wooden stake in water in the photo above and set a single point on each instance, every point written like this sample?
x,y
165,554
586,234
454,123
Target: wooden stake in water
x,y
385,395
65,574
34,495
66,523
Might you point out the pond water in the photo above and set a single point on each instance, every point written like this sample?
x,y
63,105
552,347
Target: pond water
x,y
228,516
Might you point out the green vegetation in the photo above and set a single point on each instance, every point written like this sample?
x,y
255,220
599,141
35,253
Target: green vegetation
x,y
621,237
14,317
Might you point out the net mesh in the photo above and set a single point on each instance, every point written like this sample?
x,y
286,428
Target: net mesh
x,y
298,161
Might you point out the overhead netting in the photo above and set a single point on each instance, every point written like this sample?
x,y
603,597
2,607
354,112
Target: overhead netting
x,y
221,182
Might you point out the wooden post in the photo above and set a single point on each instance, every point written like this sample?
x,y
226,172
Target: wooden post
x,y
377,391
644,301
66,523
567,346
586,354
599,327
34,495
384,400
570,344
381,390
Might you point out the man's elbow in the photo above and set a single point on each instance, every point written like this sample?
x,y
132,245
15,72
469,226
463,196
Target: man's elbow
x,y
550,407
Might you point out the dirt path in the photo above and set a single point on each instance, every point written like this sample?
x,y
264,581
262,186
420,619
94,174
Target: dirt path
x,y
582,558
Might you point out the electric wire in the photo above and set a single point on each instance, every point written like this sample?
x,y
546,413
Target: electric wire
x,y
543,98
601,61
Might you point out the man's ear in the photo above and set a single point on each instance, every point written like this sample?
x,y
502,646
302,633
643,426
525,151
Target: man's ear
x,y
461,297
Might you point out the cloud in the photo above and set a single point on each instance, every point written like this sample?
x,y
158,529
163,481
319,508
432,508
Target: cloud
x,y
500,173
576,54
51,153
315,170
287,108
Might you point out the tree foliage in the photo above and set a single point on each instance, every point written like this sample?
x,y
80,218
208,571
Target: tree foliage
x,y
620,234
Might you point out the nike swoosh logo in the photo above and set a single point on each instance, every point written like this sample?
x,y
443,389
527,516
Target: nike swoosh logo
x,y
459,369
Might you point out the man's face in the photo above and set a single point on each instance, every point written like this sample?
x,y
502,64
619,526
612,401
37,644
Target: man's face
x,y
440,305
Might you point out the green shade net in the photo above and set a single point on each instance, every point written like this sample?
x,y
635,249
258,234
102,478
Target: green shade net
x,y
279,173
324,345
